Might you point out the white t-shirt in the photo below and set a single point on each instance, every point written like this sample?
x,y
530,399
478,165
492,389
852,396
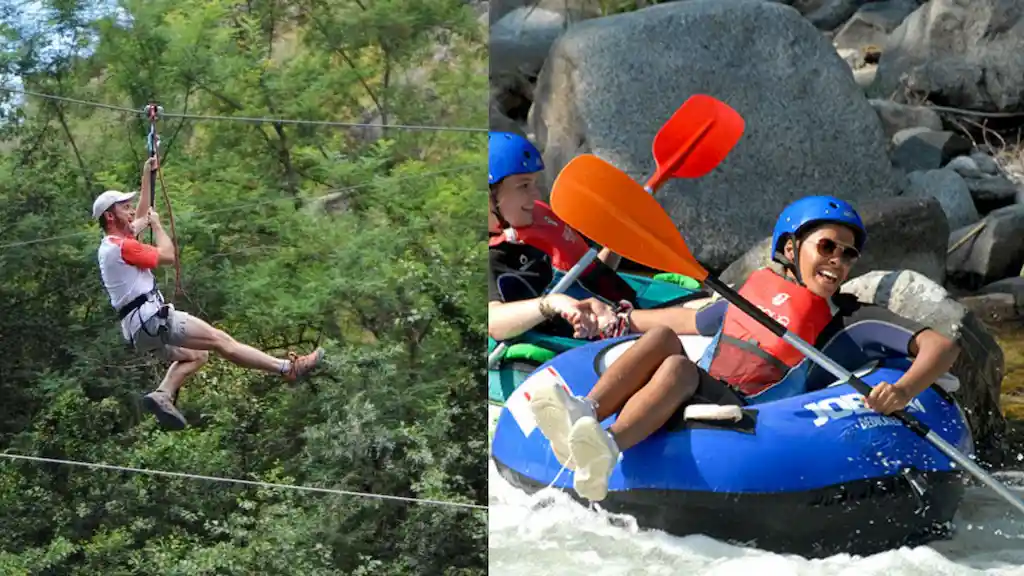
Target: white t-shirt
x,y
127,279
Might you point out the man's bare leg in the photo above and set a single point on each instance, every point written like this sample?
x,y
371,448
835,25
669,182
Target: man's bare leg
x,y
201,336
184,363
162,401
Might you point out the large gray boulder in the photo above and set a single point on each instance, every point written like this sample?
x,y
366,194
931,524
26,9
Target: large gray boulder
x,y
992,253
609,84
520,41
903,233
980,366
968,54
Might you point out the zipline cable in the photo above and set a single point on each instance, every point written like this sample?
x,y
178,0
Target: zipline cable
x,y
240,481
257,120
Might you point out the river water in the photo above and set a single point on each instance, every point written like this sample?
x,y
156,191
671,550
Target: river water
x,y
548,533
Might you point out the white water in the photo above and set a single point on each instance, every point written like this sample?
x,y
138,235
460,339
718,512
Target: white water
x,y
564,538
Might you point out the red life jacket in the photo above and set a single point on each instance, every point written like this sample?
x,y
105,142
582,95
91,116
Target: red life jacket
x,y
554,237
551,235
751,358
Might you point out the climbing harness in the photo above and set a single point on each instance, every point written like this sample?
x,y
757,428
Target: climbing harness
x,y
135,305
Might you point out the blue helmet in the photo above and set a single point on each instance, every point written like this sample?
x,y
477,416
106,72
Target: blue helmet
x,y
812,210
510,154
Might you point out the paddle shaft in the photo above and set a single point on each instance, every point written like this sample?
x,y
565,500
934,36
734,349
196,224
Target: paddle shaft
x,y
860,386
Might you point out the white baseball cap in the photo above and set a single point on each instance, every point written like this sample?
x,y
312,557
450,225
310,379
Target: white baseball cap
x,y
104,201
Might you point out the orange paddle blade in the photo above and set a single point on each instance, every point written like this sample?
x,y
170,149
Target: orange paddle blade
x,y
695,139
604,203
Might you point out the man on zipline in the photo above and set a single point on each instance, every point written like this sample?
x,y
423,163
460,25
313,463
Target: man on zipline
x,y
150,324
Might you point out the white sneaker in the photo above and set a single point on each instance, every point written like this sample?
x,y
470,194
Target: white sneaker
x,y
555,411
596,454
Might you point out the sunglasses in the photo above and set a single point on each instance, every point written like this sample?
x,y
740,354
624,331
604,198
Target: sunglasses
x,y
828,248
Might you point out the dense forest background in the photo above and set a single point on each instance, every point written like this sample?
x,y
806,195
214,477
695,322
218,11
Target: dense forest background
x,y
366,240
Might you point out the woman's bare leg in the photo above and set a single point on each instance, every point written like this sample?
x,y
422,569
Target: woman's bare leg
x,y
645,412
633,370
556,410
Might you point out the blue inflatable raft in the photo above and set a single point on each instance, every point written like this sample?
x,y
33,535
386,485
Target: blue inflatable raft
x,y
815,475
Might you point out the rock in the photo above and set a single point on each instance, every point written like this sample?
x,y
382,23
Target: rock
x,y
965,166
896,117
949,189
903,233
808,126
571,10
499,122
992,192
902,136
966,54
511,94
927,149
996,307
986,163
520,41
827,14
1013,286
993,253
865,76
854,58
980,365
872,23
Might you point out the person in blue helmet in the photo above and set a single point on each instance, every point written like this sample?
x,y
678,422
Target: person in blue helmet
x,y
816,242
519,273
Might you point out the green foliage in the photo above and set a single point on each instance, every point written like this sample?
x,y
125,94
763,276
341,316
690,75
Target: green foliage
x,y
364,240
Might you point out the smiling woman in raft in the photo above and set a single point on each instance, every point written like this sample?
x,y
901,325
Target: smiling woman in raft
x,y
816,242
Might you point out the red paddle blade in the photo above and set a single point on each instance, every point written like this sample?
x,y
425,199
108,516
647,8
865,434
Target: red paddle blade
x,y
695,139
604,203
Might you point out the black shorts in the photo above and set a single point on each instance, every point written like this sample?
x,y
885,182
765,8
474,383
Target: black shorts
x,y
711,390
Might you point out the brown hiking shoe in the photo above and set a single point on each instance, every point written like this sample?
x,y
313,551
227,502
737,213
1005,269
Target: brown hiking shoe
x,y
302,365
161,404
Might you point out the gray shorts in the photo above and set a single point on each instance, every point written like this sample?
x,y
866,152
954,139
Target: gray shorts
x,y
162,336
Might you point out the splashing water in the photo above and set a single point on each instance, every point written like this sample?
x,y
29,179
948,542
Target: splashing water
x,y
549,533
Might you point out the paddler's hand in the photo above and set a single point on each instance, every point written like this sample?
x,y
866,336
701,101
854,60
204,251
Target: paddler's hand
x,y
887,398
584,324
603,313
576,313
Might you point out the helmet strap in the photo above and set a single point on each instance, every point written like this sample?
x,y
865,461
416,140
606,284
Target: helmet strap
x,y
793,264
502,223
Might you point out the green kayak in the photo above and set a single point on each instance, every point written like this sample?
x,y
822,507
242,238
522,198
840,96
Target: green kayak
x,y
530,350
